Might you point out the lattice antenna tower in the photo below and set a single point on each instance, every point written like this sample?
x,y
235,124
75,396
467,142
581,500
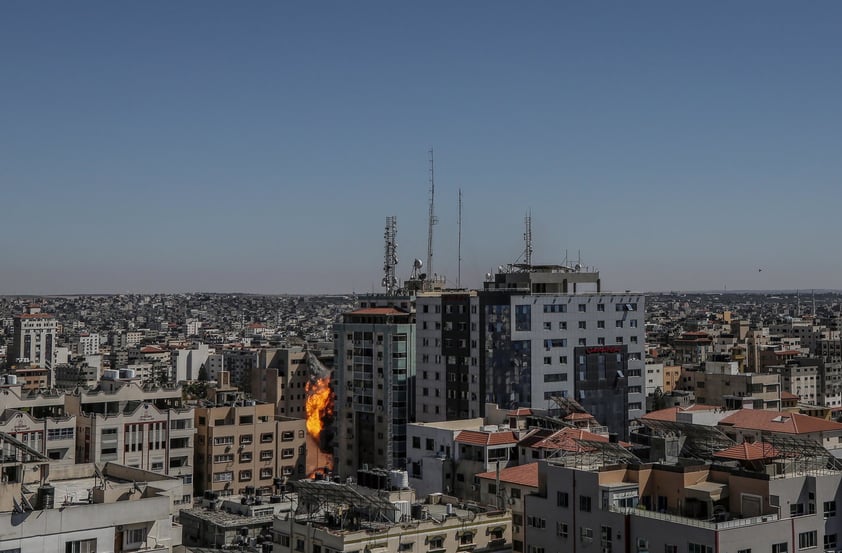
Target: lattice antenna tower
x,y
390,257
432,220
527,238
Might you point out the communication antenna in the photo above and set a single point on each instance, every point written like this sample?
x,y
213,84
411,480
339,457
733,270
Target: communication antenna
x,y
390,258
459,244
431,219
527,237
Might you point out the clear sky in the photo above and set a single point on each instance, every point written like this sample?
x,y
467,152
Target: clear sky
x,y
259,146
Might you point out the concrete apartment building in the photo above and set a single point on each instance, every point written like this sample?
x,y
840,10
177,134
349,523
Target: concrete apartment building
x,y
374,352
550,331
721,383
447,356
241,446
83,508
34,339
509,488
141,426
532,333
737,505
388,522
281,379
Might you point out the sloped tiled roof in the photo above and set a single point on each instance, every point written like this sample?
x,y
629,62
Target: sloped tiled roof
x,y
749,452
778,422
521,475
476,437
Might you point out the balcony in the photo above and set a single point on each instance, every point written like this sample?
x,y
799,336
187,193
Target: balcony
x,y
687,521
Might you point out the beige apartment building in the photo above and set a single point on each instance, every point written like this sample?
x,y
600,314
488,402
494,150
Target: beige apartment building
x,y
242,447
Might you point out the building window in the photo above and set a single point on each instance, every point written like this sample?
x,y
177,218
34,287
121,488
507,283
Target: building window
x,y
227,476
744,550
699,548
266,455
583,307
586,534
780,547
266,438
562,499
536,522
670,548
583,325
829,509
600,307
288,453
265,473
585,503
807,540
245,439
829,541
245,457
80,546
561,529
515,493
245,475
135,536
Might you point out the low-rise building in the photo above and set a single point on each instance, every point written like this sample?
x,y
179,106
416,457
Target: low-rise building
x,y
345,518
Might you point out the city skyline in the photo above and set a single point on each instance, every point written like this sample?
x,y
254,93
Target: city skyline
x,y
206,147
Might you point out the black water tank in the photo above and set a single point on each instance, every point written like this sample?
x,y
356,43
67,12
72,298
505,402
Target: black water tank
x,y
46,496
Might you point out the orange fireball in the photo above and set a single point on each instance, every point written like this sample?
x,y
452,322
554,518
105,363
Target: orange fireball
x,y
319,405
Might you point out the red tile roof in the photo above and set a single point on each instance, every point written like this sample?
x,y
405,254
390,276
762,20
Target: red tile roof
x,y
788,352
579,417
779,422
521,475
520,412
749,452
151,349
476,437
788,395
670,414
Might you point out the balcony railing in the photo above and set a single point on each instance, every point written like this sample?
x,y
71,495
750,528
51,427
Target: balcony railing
x,y
710,525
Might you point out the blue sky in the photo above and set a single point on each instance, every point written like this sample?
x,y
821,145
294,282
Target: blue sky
x,y
226,146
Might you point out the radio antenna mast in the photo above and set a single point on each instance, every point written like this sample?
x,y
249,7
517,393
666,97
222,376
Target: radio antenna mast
x,y
431,219
459,244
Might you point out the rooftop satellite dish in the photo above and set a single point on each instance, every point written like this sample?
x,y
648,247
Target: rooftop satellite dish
x,y
499,268
417,263
578,267
487,276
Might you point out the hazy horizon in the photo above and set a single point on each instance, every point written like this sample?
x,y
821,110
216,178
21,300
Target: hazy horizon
x,y
260,147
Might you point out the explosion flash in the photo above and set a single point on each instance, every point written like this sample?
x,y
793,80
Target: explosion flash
x,y
319,405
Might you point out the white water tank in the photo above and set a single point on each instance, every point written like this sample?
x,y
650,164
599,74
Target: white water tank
x,y
399,479
450,509
110,374
11,379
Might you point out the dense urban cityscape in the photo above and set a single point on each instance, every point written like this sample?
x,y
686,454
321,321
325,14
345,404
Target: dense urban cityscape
x,y
536,412
613,323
